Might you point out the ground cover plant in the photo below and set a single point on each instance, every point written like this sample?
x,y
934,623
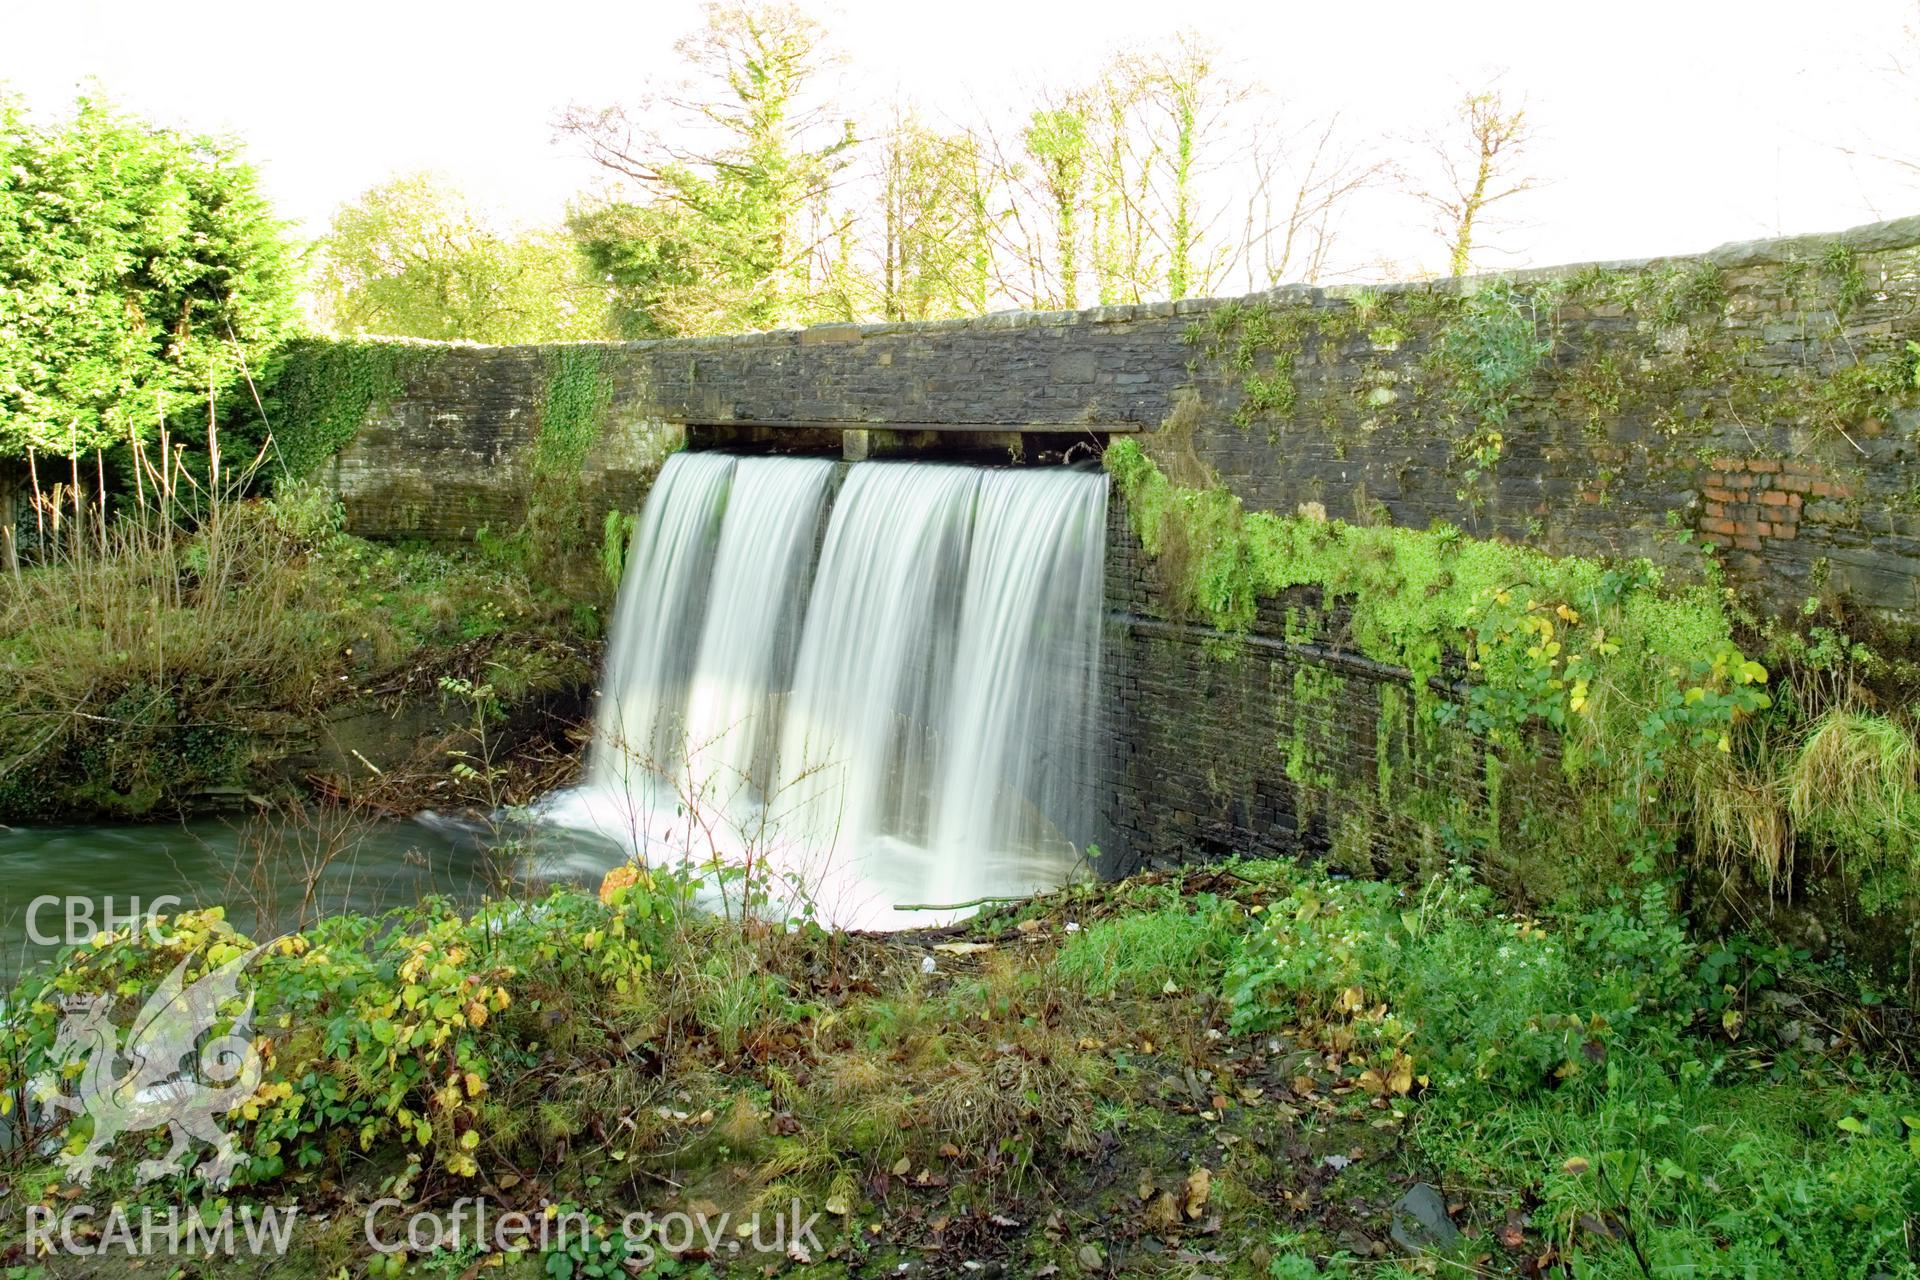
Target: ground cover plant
x,y
1232,1071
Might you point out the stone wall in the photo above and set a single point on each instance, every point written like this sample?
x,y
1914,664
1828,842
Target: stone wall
x,y
1752,404
1640,420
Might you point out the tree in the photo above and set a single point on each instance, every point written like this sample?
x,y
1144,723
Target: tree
x,y
1056,142
141,272
1479,164
414,258
1303,177
933,261
735,203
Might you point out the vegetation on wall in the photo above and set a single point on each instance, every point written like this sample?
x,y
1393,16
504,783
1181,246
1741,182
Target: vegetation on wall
x,y
318,393
1463,362
573,414
1655,714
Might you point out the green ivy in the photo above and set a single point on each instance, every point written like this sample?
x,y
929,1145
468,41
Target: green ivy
x,y
573,415
319,391
1631,673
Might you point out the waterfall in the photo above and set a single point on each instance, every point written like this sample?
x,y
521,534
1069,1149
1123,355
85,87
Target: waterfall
x,y
907,717
663,598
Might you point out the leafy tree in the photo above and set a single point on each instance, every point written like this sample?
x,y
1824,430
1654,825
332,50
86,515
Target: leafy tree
x,y
733,230
1056,141
414,258
141,272
934,240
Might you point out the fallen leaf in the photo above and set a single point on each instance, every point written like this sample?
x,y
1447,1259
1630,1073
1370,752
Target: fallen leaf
x,y
1091,1257
1164,1213
1199,1186
901,1166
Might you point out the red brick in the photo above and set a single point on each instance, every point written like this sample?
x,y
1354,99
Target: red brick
x,y
1793,501
1739,482
1746,526
1716,509
1762,529
1783,532
1747,544
1763,465
1715,493
1774,498
1794,483
1717,526
1727,464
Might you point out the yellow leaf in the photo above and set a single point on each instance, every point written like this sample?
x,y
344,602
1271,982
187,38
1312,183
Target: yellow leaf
x,y
1199,1187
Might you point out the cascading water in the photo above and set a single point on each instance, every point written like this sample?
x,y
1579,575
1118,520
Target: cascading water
x,y
908,721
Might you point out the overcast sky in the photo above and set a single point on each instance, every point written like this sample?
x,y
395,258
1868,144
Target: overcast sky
x,y
1668,125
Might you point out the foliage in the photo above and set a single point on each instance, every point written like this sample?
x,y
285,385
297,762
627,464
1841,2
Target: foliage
x,y
1443,982
141,273
162,655
413,258
393,1027
1854,787
1572,1060
1178,948
1584,1089
721,241
317,394
936,239
1487,352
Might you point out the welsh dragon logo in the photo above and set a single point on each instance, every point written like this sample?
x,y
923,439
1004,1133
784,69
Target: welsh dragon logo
x,y
175,1073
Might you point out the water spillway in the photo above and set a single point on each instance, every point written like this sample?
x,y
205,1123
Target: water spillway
x,y
880,698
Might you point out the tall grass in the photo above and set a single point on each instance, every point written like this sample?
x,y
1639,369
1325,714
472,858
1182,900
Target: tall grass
x,y
141,637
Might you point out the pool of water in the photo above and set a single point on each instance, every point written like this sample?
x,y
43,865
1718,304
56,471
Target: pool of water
x,y
270,876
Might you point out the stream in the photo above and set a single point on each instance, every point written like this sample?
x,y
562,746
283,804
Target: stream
x,y
265,874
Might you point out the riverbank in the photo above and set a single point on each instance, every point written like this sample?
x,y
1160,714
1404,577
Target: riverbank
x,y
265,657
1251,1070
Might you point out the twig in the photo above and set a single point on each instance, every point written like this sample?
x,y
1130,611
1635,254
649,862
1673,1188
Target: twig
x,y
956,906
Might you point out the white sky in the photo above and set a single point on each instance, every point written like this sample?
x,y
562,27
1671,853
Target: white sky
x,y
1669,125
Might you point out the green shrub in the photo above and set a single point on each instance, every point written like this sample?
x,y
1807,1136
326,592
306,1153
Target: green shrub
x,y
1475,999
378,1030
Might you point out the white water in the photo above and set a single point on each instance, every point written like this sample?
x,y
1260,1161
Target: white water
x,y
908,721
